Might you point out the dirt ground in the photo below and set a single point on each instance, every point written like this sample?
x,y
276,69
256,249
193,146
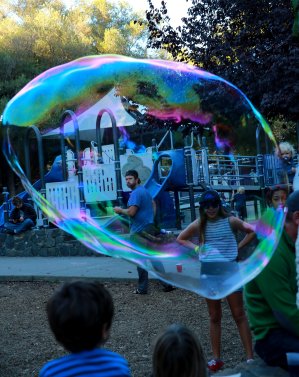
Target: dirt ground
x,y
26,342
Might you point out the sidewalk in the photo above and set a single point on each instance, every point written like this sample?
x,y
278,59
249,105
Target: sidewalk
x,y
61,268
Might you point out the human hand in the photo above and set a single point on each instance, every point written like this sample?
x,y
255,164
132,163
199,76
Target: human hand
x,y
117,210
21,219
194,253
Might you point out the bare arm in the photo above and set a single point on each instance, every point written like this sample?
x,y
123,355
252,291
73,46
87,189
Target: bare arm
x,y
242,226
187,234
131,211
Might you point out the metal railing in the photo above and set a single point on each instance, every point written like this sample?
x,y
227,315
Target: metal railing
x,y
230,172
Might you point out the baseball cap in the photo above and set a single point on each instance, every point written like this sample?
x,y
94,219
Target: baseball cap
x,y
209,196
292,202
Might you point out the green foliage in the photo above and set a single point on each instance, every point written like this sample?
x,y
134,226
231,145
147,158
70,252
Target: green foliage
x,y
36,35
284,130
3,102
249,43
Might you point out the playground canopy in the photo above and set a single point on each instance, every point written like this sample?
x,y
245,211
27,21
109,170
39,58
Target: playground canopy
x,y
87,119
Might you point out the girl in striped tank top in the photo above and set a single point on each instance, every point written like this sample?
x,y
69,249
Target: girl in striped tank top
x,y
215,231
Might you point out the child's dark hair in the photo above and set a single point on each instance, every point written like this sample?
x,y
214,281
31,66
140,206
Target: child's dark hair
x,y
178,353
272,189
16,201
79,313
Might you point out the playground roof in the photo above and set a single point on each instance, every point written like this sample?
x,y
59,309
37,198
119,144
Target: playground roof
x,y
87,119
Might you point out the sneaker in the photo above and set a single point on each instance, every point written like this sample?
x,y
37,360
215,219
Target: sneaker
x,y
215,365
168,288
249,361
138,292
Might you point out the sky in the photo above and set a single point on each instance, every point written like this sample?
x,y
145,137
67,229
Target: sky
x,y
176,8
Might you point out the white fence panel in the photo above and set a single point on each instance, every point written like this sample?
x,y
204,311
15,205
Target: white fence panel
x,y
99,183
65,196
108,153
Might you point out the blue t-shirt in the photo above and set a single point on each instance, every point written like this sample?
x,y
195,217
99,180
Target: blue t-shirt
x,y
95,363
141,198
240,201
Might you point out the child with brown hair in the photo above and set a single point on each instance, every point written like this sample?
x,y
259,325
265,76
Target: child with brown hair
x,y
178,353
216,228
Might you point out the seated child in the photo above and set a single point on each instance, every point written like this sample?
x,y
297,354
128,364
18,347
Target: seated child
x,y
178,353
80,316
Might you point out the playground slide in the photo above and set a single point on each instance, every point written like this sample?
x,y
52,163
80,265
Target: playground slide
x,y
54,175
175,177
156,185
153,184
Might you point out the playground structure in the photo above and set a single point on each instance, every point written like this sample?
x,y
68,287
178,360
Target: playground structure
x,y
80,181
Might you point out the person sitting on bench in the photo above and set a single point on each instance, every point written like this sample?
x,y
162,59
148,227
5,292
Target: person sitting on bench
x,y
22,217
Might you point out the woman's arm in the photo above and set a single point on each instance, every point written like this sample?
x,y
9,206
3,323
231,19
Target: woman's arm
x,y
187,234
242,226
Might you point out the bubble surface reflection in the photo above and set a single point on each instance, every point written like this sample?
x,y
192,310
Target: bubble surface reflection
x,y
145,97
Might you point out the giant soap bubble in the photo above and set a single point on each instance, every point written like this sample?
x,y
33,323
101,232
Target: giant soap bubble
x,y
202,125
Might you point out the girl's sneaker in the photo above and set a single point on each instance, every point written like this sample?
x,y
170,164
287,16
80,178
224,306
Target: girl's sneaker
x,y
215,365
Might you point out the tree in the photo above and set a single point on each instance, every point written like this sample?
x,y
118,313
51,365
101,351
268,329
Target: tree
x,y
248,43
36,35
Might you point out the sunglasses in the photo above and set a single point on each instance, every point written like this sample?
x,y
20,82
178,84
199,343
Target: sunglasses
x,y
213,204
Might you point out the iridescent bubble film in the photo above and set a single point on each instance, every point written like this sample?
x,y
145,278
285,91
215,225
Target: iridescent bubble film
x,y
73,132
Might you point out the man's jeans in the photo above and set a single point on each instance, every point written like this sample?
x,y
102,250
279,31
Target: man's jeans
x,y
274,347
143,276
19,227
142,273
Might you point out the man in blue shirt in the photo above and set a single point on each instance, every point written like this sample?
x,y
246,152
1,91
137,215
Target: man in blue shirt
x,y
141,210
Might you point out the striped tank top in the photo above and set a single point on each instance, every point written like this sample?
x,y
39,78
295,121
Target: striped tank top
x,y
220,242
